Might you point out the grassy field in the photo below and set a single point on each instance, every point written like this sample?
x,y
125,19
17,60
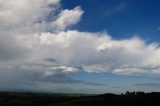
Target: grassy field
x,y
46,99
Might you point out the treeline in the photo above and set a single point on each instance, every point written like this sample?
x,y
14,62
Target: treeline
x,y
46,99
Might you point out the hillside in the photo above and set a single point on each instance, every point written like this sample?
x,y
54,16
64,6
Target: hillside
x,y
45,99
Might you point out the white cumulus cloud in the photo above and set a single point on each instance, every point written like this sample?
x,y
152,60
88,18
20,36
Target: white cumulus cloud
x,y
30,45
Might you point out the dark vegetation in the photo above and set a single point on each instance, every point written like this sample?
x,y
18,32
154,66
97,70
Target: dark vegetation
x,y
46,99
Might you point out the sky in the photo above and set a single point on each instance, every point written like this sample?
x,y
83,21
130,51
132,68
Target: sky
x,y
80,46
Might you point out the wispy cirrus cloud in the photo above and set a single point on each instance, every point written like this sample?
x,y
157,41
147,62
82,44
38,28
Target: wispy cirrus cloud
x,y
111,10
158,28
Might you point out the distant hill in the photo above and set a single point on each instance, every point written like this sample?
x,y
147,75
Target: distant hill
x,y
60,99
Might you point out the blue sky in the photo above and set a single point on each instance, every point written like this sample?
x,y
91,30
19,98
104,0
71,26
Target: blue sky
x,y
120,18
80,46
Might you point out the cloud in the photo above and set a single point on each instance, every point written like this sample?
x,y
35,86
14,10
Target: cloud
x,y
115,9
94,84
148,84
67,18
49,59
34,49
21,12
102,53
158,28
